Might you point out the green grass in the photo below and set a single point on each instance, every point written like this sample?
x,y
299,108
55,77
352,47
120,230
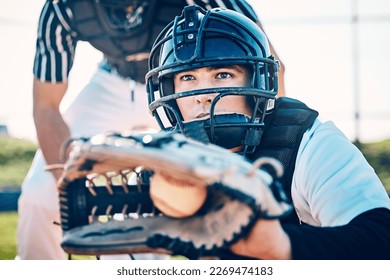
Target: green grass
x,y
378,155
16,156
8,222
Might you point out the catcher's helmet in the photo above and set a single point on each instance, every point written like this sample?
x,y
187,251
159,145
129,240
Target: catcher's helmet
x,y
218,37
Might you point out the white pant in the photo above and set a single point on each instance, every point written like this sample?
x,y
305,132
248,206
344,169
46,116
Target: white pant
x,y
103,105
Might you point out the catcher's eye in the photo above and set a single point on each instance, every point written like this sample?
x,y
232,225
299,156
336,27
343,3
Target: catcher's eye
x,y
224,75
186,77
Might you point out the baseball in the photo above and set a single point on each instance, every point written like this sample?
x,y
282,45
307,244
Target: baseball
x,y
176,198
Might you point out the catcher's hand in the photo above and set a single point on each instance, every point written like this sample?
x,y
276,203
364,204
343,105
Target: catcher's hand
x,y
238,194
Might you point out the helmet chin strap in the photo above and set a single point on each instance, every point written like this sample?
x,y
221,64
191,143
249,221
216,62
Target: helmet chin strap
x,y
228,132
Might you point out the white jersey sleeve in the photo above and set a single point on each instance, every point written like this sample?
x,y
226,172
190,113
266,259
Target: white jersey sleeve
x,y
333,182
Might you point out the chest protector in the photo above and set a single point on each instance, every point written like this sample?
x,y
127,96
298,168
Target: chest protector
x,y
126,49
283,133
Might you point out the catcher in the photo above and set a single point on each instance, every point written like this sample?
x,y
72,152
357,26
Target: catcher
x,y
213,79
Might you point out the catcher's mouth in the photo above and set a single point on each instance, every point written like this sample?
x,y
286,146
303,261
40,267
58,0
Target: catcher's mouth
x,y
203,116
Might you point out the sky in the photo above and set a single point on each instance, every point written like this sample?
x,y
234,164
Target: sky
x,y
327,66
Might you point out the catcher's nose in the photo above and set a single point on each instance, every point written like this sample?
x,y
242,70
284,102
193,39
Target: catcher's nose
x,y
205,99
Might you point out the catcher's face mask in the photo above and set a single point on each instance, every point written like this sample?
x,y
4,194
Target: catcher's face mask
x,y
214,38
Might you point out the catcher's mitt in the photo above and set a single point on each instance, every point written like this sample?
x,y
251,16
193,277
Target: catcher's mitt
x,y
238,194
